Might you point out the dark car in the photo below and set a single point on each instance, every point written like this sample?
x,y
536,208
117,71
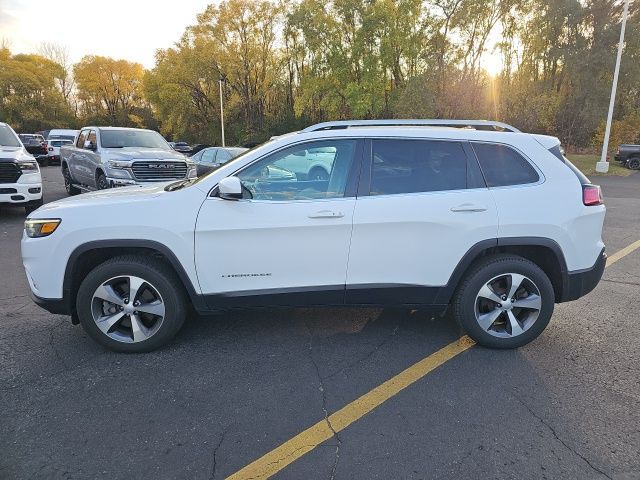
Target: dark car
x,y
182,147
211,158
629,156
36,145
199,146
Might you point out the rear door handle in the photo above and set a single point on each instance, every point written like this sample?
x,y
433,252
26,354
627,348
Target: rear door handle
x,y
327,214
469,207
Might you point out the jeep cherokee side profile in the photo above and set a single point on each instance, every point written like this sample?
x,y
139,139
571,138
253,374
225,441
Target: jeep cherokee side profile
x,y
493,224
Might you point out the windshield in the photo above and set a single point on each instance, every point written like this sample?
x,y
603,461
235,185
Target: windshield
x,y
59,143
7,138
132,138
70,138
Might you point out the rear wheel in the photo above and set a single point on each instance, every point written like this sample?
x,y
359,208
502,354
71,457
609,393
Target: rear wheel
x,y
634,163
68,182
131,304
504,302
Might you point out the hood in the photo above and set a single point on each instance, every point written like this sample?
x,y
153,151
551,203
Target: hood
x,y
119,195
10,154
136,153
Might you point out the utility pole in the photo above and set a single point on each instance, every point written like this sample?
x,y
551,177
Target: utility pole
x,y
221,110
603,165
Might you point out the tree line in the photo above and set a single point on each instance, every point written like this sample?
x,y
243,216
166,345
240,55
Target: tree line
x,y
287,64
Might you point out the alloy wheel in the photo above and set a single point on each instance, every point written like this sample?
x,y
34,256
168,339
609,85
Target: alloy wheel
x,y
508,305
128,309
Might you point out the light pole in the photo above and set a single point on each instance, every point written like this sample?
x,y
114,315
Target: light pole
x,y
221,110
603,165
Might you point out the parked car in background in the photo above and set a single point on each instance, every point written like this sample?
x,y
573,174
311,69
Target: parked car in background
x,y
457,219
56,139
36,145
211,158
20,178
310,164
182,147
104,157
629,156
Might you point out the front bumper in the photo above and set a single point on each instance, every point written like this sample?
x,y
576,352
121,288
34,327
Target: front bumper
x,y
578,283
57,306
20,193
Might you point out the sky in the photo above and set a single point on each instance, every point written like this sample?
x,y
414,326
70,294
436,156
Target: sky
x,y
129,29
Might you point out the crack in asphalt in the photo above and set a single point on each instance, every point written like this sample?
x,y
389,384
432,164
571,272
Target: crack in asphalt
x,y
13,298
621,282
323,390
555,434
367,356
215,453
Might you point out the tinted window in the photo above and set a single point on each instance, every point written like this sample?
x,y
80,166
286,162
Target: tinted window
x,y
410,166
223,156
502,165
208,155
301,172
81,138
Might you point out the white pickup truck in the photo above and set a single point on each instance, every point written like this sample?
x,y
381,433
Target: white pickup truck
x,y
105,157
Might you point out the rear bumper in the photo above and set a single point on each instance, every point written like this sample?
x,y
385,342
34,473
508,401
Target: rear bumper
x,y
579,283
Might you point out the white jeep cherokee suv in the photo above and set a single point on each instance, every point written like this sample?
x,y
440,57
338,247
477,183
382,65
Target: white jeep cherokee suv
x,y
494,224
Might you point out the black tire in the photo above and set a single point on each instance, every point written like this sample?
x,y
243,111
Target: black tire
x,y
101,181
44,162
464,301
153,271
318,173
634,163
32,207
68,182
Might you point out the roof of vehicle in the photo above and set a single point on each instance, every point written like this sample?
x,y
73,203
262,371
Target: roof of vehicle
x,y
93,127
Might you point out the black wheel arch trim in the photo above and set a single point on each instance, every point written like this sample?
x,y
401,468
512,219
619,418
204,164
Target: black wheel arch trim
x,y
476,251
195,298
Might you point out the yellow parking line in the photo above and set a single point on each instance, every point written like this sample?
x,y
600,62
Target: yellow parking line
x,y
309,439
623,253
305,441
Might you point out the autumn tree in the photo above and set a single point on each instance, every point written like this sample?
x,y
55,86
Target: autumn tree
x,y
110,90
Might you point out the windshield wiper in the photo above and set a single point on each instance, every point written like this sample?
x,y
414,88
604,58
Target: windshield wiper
x,y
178,185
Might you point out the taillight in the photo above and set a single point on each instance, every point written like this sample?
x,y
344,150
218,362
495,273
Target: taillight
x,y
591,195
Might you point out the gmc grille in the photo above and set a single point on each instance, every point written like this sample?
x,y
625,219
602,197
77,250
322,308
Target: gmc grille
x,y
9,172
158,171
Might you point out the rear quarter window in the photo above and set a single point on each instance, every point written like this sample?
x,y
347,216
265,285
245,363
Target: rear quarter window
x,y
503,166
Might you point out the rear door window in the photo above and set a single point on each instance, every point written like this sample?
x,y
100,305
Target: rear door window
x,y
503,166
411,166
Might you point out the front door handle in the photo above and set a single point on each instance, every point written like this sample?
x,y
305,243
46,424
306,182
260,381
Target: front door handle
x,y
469,207
327,214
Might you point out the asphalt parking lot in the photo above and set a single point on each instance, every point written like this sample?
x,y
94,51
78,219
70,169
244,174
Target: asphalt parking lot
x,y
234,387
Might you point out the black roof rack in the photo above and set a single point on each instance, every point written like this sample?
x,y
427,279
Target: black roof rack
x,y
475,124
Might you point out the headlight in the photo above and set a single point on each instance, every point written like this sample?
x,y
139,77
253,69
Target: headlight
x,y
28,167
41,228
118,164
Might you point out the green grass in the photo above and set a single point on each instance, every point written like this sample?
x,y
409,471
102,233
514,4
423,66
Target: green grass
x,y
587,164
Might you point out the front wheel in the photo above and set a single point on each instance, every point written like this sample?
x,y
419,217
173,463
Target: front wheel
x,y
68,182
505,301
101,181
131,304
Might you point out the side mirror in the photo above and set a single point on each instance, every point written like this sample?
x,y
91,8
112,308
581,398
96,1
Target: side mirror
x,y
88,145
230,188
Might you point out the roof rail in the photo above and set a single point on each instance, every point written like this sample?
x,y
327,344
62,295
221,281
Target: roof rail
x,y
476,124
